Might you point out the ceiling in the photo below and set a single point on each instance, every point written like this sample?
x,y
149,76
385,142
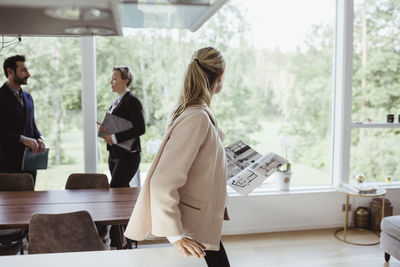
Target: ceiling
x,y
101,17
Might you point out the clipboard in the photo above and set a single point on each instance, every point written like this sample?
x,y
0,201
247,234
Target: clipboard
x,y
34,161
115,124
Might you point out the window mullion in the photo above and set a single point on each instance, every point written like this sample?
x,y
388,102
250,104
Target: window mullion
x,y
343,77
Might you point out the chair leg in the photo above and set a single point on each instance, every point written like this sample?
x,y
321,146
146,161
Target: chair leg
x,y
129,243
387,257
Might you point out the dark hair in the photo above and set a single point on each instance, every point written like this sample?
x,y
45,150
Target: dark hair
x,y
11,62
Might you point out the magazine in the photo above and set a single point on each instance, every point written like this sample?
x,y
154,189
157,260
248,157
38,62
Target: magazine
x,y
247,169
360,189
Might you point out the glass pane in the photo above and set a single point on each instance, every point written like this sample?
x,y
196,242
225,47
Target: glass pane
x,y
376,60
55,86
277,82
374,153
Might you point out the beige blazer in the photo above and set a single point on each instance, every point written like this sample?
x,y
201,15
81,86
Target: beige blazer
x,y
185,189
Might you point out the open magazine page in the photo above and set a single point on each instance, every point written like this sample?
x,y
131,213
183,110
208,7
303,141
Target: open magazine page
x,y
245,173
239,156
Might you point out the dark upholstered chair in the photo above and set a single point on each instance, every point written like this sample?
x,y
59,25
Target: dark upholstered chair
x,y
16,182
11,248
11,239
87,180
66,232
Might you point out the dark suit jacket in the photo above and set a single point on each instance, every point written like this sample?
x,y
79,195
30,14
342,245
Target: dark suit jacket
x,y
130,109
15,121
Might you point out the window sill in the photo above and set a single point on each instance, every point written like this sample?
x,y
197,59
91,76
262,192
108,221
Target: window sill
x,y
296,190
299,190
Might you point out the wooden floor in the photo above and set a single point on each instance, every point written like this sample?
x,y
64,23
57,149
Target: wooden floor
x,y
300,249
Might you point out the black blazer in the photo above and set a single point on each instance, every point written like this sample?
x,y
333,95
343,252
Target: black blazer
x,y
130,109
15,121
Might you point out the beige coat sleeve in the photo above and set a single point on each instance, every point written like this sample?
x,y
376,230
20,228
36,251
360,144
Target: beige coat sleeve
x,y
172,171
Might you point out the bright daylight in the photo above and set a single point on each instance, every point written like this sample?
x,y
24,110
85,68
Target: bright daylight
x,y
235,132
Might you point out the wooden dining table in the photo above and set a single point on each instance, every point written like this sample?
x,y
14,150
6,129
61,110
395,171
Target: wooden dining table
x,y
106,206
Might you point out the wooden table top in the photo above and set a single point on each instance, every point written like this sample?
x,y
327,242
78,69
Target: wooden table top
x,y
113,206
11,198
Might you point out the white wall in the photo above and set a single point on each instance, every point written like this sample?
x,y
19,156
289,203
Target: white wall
x,y
293,211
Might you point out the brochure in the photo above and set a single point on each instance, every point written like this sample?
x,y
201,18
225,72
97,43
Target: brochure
x,y
247,169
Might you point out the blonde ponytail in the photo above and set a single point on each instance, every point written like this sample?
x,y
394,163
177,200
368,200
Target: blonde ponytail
x,y
200,76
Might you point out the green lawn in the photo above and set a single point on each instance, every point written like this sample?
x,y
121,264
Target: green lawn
x,y
303,175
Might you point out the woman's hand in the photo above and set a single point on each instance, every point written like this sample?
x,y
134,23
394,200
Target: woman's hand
x,y
190,247
108,139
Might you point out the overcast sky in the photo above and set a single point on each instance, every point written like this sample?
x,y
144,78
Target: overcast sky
x,y
283,23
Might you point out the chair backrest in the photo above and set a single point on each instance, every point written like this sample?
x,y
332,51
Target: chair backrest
x,y
16,182
87,181
66,232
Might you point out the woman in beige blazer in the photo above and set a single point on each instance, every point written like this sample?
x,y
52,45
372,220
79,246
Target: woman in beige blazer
x,y
184,195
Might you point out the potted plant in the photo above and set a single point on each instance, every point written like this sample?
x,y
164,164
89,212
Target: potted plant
x,y
284,173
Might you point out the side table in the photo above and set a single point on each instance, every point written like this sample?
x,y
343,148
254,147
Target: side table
x,y
380,192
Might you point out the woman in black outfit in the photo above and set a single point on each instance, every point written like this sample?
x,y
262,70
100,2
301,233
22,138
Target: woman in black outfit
x,y
124,163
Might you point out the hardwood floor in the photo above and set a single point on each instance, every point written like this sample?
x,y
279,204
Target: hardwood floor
x,y
305,248
301,249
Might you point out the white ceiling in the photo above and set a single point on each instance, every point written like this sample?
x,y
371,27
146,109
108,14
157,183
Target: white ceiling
x,y
28,17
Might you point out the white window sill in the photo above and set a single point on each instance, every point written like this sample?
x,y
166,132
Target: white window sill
x,y
298,190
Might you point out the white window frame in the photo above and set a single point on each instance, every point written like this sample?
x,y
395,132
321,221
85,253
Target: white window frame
x,y
342,92
89,103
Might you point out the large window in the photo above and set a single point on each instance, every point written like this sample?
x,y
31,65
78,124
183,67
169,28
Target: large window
x,y
55,85
278,85
376,66
278,81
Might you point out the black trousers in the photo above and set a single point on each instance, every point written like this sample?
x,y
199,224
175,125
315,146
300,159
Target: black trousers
x,y
122,171
217,258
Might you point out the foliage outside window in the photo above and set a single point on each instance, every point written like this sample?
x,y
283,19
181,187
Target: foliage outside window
x,y
376,67
268,92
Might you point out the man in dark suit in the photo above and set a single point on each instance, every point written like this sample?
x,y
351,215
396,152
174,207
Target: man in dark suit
x,y
17,121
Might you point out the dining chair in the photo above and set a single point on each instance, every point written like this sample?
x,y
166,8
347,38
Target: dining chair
x,y
11,239
65,232
89,181
94,181
16,182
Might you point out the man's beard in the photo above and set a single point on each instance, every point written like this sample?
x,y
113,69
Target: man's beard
x,y
19,81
